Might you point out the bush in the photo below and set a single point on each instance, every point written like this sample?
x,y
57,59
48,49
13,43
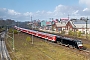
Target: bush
x,y
62,32
15,31
28,39
70,32
79,34
11,31
74,33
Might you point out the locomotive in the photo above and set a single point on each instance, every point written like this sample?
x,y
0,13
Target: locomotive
x,y
70,42
75,43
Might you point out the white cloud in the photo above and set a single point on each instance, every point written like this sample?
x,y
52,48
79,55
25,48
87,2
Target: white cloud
x,y
86,9
75,12
85,2
38,11
4,8
60,11
28,14
49,12
12,12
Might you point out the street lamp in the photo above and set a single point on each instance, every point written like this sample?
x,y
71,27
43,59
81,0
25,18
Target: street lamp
x,y
86,20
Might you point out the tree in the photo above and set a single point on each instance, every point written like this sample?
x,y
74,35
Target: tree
x,y
70,32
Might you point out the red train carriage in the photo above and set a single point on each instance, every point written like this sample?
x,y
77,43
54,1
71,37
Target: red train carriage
x,y
24,30
52,37
29,32
43,35
15,27
20,29
39,34
36,33
33,33
46,36
49,37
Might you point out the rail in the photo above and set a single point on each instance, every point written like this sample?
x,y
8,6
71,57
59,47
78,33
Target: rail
x,y
4,52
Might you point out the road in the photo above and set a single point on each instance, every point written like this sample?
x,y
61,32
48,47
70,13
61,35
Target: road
x,y
3,51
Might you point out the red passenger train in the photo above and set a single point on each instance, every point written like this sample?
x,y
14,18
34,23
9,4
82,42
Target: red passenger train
x,y
54,38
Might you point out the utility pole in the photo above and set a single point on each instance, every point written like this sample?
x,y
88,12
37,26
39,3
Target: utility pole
x,y
86,20
86,27
18,26
12,37
32,28
13,40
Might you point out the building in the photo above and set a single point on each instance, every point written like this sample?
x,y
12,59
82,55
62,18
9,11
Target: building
x,y
66,25
81,26
71,26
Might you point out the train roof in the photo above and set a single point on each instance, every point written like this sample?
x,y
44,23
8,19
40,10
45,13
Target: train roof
x,y
53,35
71,39
67,38
44,33
59,36
77,40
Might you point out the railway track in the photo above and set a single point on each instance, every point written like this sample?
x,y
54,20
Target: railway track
x,y
85,52
75,44
3,50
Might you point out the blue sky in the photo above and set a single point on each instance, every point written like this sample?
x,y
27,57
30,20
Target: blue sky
x,y
34,5
42,9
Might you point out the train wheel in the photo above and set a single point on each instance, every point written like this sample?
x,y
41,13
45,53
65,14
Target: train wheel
x,y
58,42
73,47
67,45
70,46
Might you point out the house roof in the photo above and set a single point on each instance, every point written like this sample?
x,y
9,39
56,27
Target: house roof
x,y
81,22
73,25
63,23
82,25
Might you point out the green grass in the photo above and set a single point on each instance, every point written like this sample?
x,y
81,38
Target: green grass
x,y
40,50
87,45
